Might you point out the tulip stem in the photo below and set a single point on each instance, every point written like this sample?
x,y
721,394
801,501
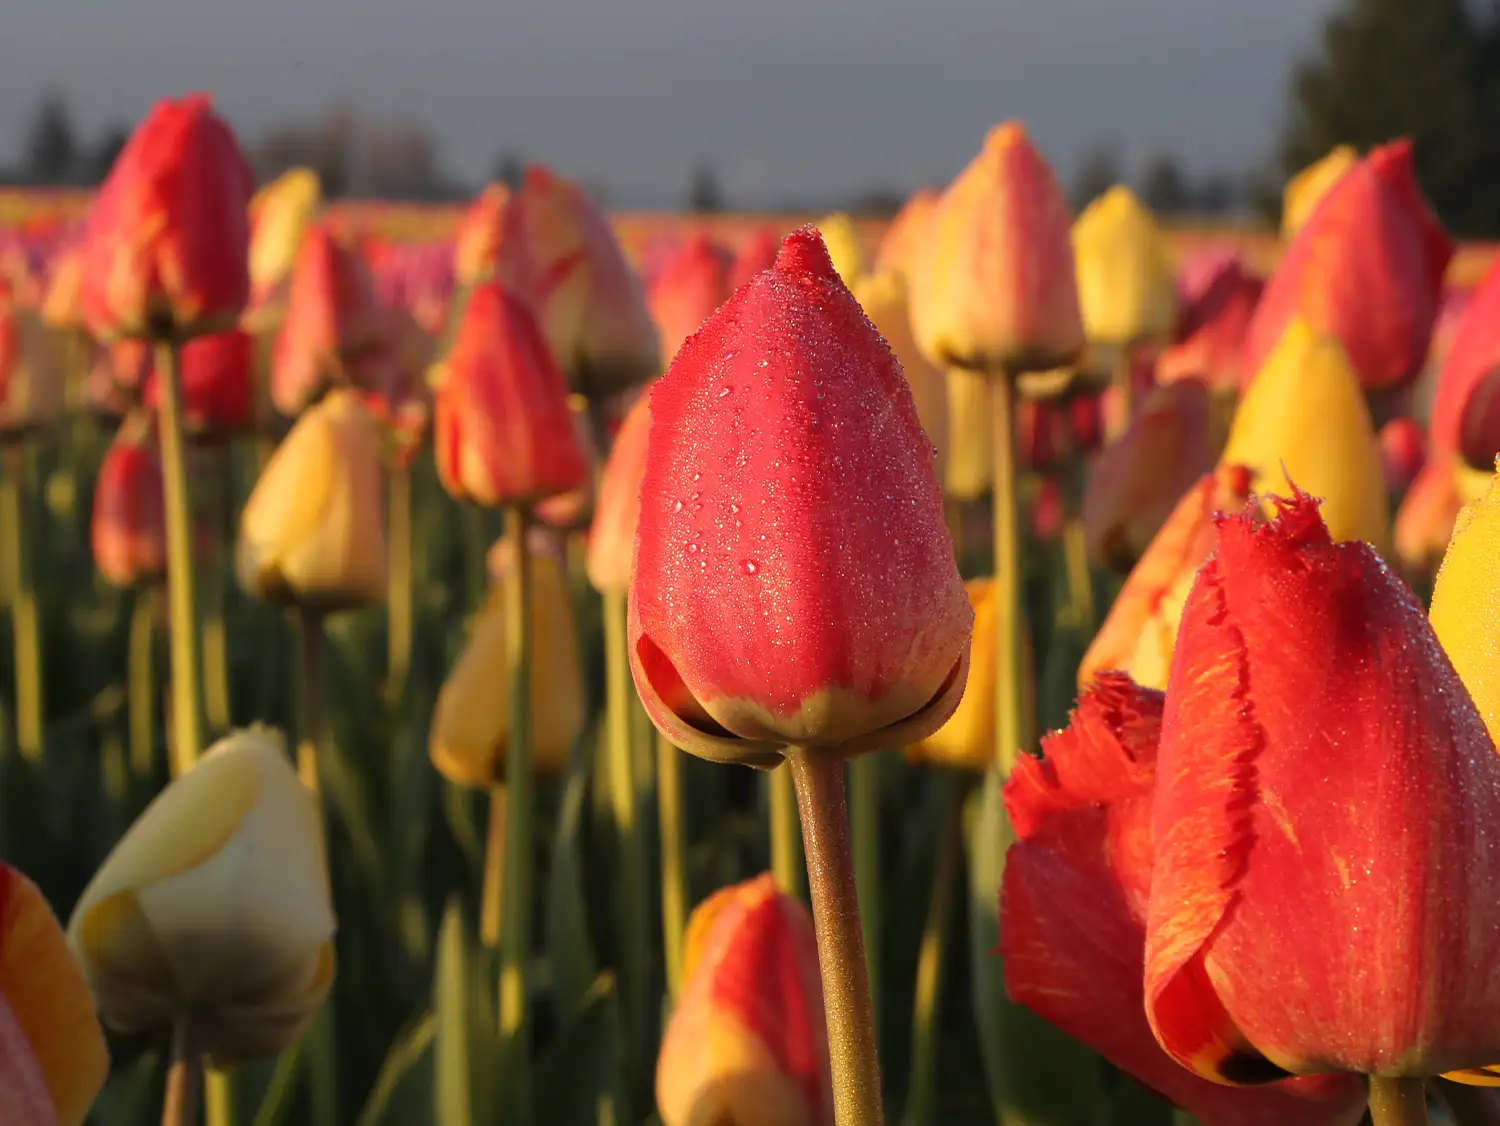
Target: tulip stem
x,y
519,861
786,838
1124,384
310,737
184,1079
142,676
399,589
494,869
1398,1102
921,1099
670,813
1470,1106
864,833
25,624
631,874
819,779
187,721
215,639
1009,653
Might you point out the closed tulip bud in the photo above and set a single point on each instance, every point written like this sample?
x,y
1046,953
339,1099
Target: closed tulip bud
x,y
1125,286
167,243
756,257
216,382
215,906
1305,190
904,240
62,306
476,242
995,290
53,1059
1140,476
333,321
1304,420
313,531
612,536
787,480
1403,452
1465,609
279,218
845,248
470,733
1212,344
1367,270
746,1043
691,284
502,430
1074,902
969,470
574,509
32,383
560,255
884,300
129,531
1427,516
1140,632
1466,407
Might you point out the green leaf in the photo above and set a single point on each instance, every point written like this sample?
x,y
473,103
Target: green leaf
x,y
466,1053
281,1091
579,1079
405,1084
131,1095
570,951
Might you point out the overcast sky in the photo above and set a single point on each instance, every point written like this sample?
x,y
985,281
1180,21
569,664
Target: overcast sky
x,y
785,97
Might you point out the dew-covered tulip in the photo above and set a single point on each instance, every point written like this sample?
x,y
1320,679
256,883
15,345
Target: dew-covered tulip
x,y
746,1042
476,241
215,906
904,239
560,255
969,469
1367,269
32,384
1212,344
1466,405
129,531
1305,420
333,320
994,290
1327,871
313,531
845,247
1305,190
1427,516
611,553
884,300
470,730
756,256
794,580
167,243
279,217
217,382
1126,291
1403,451
1140,631
1074,901
1141,475
502,429
692,282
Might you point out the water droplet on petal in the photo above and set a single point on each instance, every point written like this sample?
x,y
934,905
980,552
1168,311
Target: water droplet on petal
x,y
692,549
751,566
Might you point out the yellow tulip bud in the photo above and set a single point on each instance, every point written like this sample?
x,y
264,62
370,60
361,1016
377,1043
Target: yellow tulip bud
x,y
1465,612
967,740
215,904
1126,291
971,436
280,213
471,722
844,246
1304,420
313,531
883,297
1305,190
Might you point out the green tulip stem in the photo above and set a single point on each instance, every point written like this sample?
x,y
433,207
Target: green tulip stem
x,y
921,1102
184,1079
519,860
1470,1106
631,870
186,670
25,618
142,676
1124,385
671,812
786,838
1398,1102
1075,548
399,582
1010,625
310,737
818,776
491,890
215,637
864,833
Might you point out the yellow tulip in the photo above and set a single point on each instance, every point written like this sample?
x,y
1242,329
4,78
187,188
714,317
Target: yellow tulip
x,y
313,531
1126,291
883,297
471,722
1305,190
967,740
844,246
215,906
1304,420
280,213
970,466
1465,611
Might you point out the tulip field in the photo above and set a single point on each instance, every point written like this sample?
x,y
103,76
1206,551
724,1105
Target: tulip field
x,y
516,665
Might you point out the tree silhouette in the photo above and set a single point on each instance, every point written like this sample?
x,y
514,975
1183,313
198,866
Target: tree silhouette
x,y
1098,171
102,156
1164,187
705,196
51,143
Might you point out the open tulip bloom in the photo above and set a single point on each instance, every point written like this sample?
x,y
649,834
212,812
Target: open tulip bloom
x,y
1281,873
